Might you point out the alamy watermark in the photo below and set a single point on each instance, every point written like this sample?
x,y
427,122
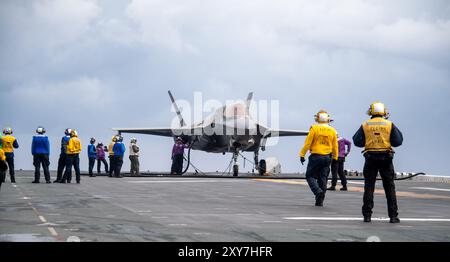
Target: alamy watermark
x,y
235,117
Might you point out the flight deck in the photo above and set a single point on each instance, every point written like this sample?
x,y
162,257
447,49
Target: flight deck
x,y
252,209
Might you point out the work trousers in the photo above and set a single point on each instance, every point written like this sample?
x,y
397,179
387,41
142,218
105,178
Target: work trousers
x,y
118,162
134,170
177,164
10,161
317,172
38,160
99,165
72,160
337,168
379,163
3,168
91,165
111,165
61,166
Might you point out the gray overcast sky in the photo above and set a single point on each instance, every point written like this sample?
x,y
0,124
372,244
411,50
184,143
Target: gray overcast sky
x,y
94,65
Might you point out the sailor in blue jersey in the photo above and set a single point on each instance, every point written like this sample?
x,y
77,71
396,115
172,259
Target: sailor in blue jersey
x,y
40,149
119,151
63,156
92,155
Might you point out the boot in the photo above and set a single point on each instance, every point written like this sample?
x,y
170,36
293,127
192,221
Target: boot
x,y
319,199
367,219
332,188
35,182
394,220
344,188
13,179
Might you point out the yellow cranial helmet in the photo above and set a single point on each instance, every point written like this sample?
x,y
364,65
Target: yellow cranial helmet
x,y
322,117
114,139
73,133
377,109
7,131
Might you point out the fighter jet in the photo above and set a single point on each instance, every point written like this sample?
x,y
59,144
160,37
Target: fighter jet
x,y
230,129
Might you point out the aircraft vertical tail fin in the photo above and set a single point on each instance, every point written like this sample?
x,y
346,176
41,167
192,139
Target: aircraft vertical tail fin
x,y
248,102
177,110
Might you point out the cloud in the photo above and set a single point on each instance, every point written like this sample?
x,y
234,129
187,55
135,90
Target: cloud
x,y
64,21
282,30
78,93
101,64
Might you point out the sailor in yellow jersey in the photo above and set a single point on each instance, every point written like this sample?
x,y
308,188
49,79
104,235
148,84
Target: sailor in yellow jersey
x,y
3,164
73,158
322,143
9,144
112,164
378,135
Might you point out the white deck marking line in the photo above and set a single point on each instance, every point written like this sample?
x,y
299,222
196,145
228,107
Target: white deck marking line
x,y
42,219
358,183
52,231
180,181
432,188
361,219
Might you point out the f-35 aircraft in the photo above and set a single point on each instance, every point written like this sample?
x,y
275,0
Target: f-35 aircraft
x,y
230,129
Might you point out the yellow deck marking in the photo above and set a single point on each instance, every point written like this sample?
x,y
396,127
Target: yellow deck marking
x,y
361,189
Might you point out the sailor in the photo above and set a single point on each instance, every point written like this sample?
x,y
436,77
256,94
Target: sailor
x,y
178,156
9,144
111,155
92,155
40,149
337,167
378,135
63,155
119,151
134,157
322,143
101,158
3,164
73,158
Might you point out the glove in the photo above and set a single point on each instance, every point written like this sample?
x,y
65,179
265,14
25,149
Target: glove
x,y
302,160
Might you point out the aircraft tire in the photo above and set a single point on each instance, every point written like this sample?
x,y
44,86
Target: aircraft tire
x,y
262,167
235,170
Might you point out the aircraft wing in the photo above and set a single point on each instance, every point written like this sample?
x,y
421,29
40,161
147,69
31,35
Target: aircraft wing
x,y
168,132
285,132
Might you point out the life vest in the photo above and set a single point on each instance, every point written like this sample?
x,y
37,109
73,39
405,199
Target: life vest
x,y
8,142
322,140
134,150
2,155
377,132
110,148
74,146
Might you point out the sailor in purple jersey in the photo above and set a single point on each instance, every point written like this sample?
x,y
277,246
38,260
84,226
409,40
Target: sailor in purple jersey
x,y
177,156
337,167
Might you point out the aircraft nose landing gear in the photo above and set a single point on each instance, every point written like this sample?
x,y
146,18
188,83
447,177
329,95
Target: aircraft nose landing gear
x,y
235,163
